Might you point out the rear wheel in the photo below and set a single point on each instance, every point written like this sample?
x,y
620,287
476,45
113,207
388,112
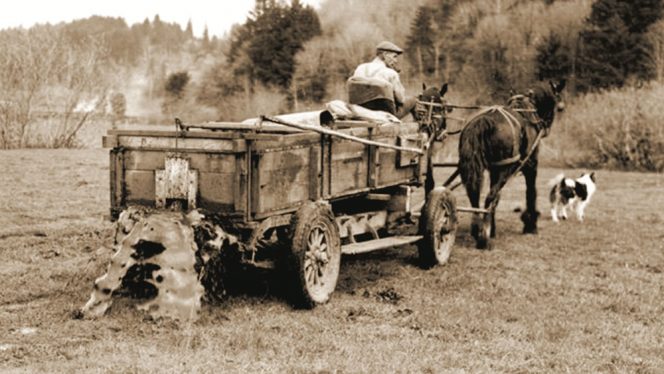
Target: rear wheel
x,y
438,224
315,255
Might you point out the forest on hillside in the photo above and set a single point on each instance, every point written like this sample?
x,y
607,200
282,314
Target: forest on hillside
x,y
287,56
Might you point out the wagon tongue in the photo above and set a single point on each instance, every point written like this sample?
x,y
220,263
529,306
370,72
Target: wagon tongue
x,y
156,258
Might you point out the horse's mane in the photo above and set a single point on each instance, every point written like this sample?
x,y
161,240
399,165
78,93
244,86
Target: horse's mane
x,y
544,99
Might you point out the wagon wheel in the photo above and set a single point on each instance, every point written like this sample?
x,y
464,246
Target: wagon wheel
x,y
438,224
315,255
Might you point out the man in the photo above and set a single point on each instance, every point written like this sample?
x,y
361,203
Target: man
x,y
376,85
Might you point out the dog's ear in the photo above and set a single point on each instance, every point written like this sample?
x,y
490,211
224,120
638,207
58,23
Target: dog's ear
x,y
592,176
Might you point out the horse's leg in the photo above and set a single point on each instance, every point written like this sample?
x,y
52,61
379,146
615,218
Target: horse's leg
x,y
473,191
498,177
498,181
529,217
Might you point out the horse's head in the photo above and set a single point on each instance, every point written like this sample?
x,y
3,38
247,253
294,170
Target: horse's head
x,y
544,99
547,99
430,107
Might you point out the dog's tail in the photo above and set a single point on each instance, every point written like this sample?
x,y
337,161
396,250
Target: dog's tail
x,y
556,180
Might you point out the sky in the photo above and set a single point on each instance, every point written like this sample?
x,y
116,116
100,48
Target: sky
x,y
217,15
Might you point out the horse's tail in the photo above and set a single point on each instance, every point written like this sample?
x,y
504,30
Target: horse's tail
x,y
472,152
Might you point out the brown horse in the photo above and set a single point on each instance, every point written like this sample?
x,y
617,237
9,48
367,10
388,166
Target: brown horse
x,y
504,141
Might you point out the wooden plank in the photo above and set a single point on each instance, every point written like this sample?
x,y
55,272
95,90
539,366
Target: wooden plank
x,y
379,196
174,134
109,141
204,162
240,183
217,187
244,127
139,186
374,165
326,149
383,243
314,173
285,159
348,134
393,175
471,210
217,145
115,187
281,188
349,166
304,139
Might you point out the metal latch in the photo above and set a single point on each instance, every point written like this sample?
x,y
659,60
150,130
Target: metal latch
x,y
176,182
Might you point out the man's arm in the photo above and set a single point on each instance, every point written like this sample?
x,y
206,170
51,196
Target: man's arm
x,y
399,90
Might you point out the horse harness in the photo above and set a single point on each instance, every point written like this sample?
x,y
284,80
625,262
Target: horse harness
x,y
515,126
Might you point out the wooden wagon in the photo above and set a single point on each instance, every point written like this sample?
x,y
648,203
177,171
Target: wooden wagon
x,y
294,197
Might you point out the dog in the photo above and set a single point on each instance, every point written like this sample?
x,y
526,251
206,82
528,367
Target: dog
x,y
571,193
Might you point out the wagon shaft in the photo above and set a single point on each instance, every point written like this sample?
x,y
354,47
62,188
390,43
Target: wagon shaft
x,y
157,258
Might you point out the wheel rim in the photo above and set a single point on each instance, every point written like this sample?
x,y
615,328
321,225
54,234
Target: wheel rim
x,y
318,261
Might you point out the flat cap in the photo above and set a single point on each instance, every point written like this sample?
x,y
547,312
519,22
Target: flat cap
x,y
388,46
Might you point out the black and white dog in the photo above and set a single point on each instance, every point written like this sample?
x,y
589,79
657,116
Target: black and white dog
x,y
571,193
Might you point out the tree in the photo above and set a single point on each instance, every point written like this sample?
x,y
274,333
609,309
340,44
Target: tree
x,y
118,107
189,31
614,45
554,59
41,71
206,39
278,33
420,47
175,87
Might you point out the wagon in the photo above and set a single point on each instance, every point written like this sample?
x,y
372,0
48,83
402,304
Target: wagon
x,y
296,196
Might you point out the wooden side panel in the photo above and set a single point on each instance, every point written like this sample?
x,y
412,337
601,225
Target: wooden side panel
x,y
217,178
216,191
139,187
282,179
349,166
390,173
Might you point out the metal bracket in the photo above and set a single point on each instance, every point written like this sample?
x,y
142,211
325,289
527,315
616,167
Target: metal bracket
x,y
176,181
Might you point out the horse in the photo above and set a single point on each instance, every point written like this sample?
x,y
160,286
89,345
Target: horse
x,y
505,140
429,113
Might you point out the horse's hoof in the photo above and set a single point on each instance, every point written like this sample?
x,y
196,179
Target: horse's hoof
x,y
475,232
483,244
530,230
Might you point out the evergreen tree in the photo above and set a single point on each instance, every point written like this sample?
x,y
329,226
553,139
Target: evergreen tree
x,y
277,34
614,47
420,47
206,39
190,30
554,59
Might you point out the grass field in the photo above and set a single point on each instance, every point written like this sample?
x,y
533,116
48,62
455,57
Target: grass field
x,y
575,298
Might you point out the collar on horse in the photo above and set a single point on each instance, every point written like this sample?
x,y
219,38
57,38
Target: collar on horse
x,y
427,112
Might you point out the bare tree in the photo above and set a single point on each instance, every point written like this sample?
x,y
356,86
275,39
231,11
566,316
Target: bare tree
x,y
40,72
26,65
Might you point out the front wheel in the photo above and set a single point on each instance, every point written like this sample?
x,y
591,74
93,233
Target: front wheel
x,y
315,255
438,224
